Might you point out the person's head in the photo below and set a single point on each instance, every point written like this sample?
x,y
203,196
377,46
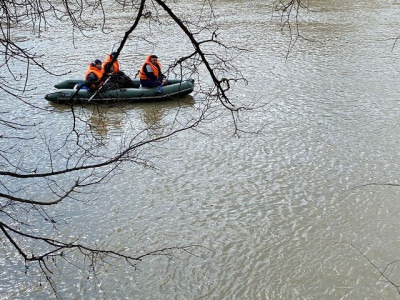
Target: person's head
x,y
97,64
113,54
153,59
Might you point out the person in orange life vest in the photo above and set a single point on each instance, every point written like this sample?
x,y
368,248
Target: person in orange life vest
x,y
93,75
118,78
114,68
150,73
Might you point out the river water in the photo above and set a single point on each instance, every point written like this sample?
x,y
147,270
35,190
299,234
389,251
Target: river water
x,y
300,208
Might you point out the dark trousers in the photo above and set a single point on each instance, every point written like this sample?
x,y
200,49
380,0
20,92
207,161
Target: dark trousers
x,y
150,83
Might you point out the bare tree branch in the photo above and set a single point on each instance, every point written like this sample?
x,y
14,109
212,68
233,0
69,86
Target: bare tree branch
x,y
383,271
67,169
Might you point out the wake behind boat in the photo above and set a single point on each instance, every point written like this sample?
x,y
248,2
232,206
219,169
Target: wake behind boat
x,y
68,94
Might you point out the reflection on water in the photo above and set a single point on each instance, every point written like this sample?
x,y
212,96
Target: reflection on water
x,y
101,121
152,113
103,118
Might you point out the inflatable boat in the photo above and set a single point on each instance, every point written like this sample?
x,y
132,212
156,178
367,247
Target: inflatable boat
x,y
68,93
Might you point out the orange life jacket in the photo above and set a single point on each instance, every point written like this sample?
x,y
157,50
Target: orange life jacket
x,y
156,68
115,66
93,69
97,72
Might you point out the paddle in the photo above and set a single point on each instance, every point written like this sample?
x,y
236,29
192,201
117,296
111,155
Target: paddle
x,y
99,89
78,88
